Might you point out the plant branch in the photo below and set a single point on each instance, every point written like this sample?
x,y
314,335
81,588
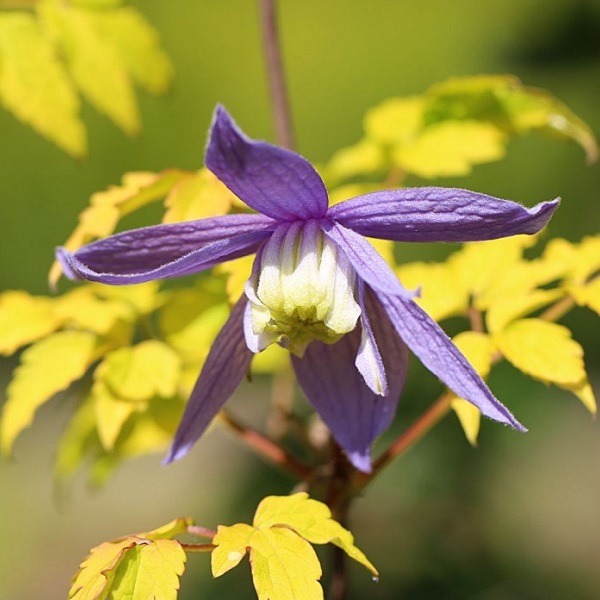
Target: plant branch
x,y
198,547
407,439
275,73
201,531
267,448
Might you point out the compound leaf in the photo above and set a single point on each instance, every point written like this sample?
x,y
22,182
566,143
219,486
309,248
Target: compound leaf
x,y
46,368
34,85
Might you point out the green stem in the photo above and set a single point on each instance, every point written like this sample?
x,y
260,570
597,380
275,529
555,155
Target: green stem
x,y
275,73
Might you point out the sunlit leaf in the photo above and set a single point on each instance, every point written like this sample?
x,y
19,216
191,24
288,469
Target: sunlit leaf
x,y
46,368
237,272
479,350
545,351
34,85
97,571
111,414
514,305
284,566
138,373
472,263
193,342
231,546
395,120
197,196
94,63
82,309
138,45
25,319
311,519
504,101
450,148
78,441
168,531
360,159
587,295
149,570
442,294
107,207
137,567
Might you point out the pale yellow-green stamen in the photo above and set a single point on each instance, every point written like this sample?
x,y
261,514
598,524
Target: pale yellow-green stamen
x,y
303,290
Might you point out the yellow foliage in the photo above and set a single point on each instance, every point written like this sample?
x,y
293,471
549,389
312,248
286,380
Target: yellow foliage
x,y
442,293
136,567
455,125
47,367
93,62
25,319
284,565
138,373
137,45
547,352
197,196
395,121
450,149
479,350
34,85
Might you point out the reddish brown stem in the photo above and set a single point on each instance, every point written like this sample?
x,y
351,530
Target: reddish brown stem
x,y
198,547
267,448
407,439
275,73
201,531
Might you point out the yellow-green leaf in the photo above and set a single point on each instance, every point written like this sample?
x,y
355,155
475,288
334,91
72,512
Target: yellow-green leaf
x,y
97,570
360,159
450,148
25,319
46,368
504,101
149,570
309,518
284,566
442,294
111,414
138,46
138,373
169,530
194,341
79,438
587,294
479,350
93,62
82,309
509,307
545,351
231,546
395,120
196,196
34,85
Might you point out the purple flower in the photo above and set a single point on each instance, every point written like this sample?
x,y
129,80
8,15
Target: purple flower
x,y
317,286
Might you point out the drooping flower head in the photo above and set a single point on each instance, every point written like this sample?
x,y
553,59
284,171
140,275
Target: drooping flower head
x,y
317,287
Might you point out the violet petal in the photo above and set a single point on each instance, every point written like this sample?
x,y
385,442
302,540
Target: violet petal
x,y
367,262
436,351
175,249
276,182
329,379
435,214
226,365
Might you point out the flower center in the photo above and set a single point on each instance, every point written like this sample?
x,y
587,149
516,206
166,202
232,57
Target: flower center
x,y
302,290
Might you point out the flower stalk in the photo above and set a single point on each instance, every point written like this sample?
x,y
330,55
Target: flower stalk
x,y
275,73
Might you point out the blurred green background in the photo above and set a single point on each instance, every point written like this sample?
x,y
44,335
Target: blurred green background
x,y
517,518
